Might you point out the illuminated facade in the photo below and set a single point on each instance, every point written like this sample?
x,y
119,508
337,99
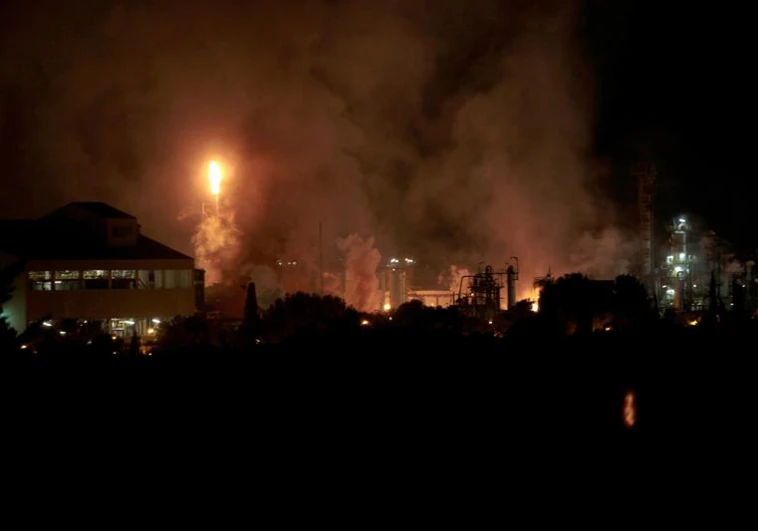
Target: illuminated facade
x,y
90,261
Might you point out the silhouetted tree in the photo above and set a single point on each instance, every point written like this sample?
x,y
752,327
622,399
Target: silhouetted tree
x,y
569,303
185,332
631,306
301,315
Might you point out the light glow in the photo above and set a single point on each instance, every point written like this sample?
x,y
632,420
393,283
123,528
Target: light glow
x,y
214,177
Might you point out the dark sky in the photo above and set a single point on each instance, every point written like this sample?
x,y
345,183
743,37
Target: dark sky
x,y
675,81
436,126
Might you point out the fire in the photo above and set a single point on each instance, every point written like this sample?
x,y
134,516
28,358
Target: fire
x,y
630,410
214,177
535,306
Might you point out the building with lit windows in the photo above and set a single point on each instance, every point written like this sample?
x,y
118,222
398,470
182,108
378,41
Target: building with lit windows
x,y
90,261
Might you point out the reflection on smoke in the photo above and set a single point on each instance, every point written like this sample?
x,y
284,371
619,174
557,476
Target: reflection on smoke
x,y
216,243
361,262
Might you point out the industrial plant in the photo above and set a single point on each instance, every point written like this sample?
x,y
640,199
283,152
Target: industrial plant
x,y
689,269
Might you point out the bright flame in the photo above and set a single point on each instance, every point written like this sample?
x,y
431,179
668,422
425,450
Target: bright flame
x,y
365,322
387,306
630,410
535,306
693,323
214,177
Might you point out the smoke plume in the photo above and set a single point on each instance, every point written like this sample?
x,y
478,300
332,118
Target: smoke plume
x,y
361,282
452,278
604,255
453,134
216,242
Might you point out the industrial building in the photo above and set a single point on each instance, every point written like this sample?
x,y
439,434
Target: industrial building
x,y
692,269
695,266
90,261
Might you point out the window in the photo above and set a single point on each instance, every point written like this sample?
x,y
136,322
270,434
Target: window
x,y
40,281
96,279
185,278
170,279
121,232
149,279
67,280
177,278
123,279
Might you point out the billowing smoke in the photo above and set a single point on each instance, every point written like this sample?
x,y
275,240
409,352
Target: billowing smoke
x,y
361,282
452,278
455,134
604,255
216,243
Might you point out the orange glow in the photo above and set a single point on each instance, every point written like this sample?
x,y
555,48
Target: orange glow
x,y
630,410
214,177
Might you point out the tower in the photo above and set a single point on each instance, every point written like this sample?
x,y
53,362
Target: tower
x,y
646,174
511,278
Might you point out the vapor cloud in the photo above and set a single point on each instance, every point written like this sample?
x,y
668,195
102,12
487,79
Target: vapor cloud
x,y
453,132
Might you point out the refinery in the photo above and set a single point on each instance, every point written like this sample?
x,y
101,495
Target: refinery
x,y
685,268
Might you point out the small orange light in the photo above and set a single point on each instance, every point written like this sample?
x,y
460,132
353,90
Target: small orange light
x,y
630,410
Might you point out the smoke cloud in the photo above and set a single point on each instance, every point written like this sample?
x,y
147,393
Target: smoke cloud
x,y
453,132
452,278
361,282
216,244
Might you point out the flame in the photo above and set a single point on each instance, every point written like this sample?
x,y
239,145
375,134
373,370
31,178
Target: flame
x,y
630,410
387,306
535,306
214,177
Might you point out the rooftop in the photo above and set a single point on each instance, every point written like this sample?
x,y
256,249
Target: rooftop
x,y
96,208
61,236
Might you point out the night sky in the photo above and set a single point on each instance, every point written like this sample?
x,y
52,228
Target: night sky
x,y
675,85
117,102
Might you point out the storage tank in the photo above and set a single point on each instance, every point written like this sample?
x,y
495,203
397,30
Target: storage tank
x,y
397,286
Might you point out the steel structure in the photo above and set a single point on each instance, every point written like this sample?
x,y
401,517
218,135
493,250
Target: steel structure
x,y
511,275
646,176
479,294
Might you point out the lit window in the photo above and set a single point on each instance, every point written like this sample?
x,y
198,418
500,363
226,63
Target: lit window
x,y
149,279
123,279
96,279
67,280
40,280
